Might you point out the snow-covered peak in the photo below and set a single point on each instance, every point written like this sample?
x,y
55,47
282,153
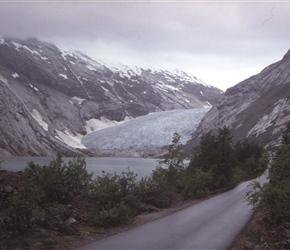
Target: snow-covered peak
x,y
65,53
2,40
189,77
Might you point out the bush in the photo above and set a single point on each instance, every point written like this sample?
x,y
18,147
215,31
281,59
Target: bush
x,y
40,188
159,191
25,206
117,215
274,196
197,184
114,199
165,181
58,181
252,160
215,155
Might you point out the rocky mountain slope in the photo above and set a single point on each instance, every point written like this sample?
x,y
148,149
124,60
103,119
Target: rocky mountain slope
x,y
51,98
258,107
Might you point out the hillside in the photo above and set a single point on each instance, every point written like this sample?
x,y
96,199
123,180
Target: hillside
x,y
51,98
256,108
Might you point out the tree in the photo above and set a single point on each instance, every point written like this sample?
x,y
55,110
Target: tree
x,y
59,181
225,162
274,195
251,159
205,155
172,160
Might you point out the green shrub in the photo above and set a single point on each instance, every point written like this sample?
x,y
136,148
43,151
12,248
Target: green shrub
x,y
25,206
197,184
160,191
117,215
274,196
58,181
114,199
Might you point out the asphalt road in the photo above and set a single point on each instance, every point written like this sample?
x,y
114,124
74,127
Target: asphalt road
x,y
211,224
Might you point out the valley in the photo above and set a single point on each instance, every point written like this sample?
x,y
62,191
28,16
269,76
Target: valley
x,y
51,99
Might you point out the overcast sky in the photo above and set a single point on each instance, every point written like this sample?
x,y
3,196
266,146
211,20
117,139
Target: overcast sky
x,y
221,43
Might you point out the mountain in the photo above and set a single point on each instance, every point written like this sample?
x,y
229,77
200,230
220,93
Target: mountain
x,y
150,131
256,108
51,98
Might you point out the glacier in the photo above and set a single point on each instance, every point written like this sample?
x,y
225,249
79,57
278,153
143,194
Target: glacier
x,y
149,131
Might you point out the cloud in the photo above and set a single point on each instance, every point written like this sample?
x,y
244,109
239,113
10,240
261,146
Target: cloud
x,y
215,36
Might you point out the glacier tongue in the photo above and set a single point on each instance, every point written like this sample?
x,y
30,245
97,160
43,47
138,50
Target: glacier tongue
x,y
152,130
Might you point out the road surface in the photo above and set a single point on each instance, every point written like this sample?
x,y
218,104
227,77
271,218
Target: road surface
x,y
211,224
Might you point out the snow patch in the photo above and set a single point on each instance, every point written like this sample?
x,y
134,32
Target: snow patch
x,y
125,74
32,51
165,87
44,58
70,139
65,53
80,100
15,75
90,67
64,76
2,40
17,45
190,77
36,89
37,116
105,89
207,104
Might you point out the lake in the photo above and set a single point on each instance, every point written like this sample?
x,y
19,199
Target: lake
x,y
141,166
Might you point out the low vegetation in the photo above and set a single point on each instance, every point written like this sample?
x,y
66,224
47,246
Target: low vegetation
x,y
269,228
63,198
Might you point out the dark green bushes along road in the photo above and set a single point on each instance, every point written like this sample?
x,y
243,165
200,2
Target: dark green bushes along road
x,y
64,197
274,197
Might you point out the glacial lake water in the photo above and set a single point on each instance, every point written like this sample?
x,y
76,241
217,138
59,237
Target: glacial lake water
x,y
141,166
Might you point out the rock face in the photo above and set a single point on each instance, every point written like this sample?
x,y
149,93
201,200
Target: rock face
x,y
51,98
258,107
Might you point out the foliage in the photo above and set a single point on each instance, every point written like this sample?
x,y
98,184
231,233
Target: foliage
x,y
204,155
251,159
196,184
41,187
274,196
114,216
114,199
161,187
215,156
225,162
24,207
59,181
158,191
172,161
